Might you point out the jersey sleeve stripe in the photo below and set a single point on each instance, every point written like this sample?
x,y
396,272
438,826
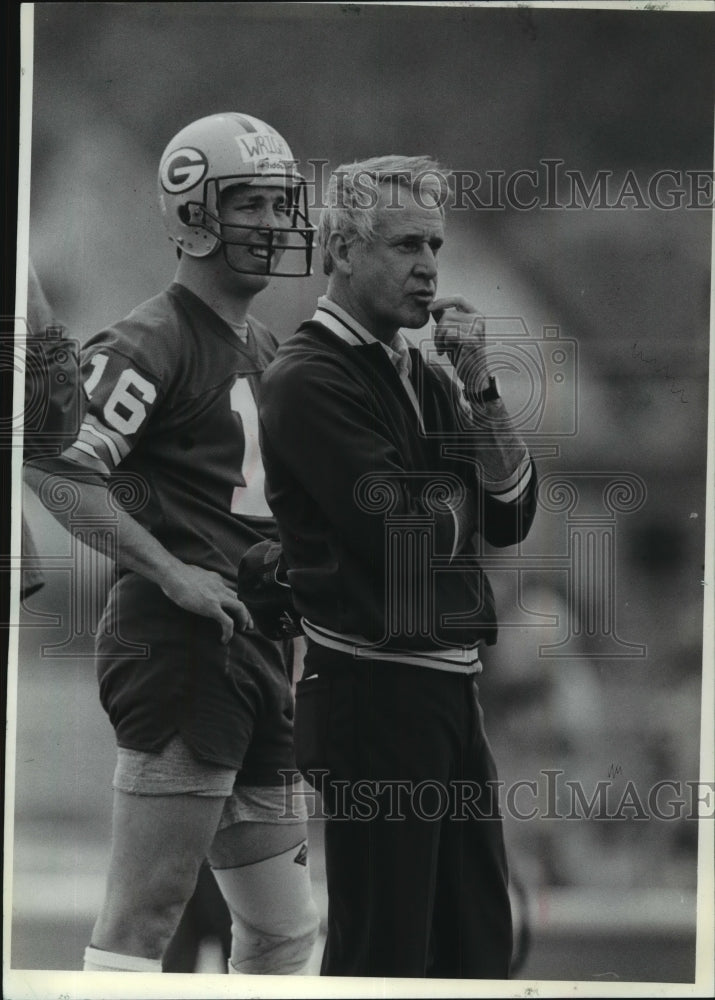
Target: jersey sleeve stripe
x,y
86,448
120,442
510,495
90,443
93,432
508,483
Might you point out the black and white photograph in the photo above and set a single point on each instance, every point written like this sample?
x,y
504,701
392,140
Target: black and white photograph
x,y
358,495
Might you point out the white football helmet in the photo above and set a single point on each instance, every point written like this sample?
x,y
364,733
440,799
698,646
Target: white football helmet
x,y
220,151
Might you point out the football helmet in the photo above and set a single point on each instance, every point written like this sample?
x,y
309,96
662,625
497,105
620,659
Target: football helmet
x,y
220,151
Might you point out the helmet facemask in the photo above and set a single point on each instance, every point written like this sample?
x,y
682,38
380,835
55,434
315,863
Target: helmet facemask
x,y
288,249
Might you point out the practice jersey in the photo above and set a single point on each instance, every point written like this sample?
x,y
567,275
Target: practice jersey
x,y
171,421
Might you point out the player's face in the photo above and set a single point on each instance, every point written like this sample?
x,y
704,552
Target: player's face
x,y
248,212
394,277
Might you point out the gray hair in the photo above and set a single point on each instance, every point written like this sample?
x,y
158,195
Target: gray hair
x,y
354,188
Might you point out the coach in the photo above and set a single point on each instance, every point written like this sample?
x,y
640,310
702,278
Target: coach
x,y
386,472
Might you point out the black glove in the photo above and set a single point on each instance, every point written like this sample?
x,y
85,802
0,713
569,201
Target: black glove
x,y
264,589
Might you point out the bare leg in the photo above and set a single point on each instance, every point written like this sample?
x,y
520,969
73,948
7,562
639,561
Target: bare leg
x,y
158,845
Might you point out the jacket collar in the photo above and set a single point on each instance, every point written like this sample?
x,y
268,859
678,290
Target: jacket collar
x,y
344,326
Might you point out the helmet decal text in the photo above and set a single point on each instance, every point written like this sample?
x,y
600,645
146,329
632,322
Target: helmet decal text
x,y
257,145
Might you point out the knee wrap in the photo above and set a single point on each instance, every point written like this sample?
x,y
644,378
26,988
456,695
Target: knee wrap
x,y
274,921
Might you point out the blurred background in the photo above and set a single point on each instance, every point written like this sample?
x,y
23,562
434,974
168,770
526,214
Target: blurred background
x,y
597,675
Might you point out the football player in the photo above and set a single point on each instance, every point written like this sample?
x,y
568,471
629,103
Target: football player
x,y
200,701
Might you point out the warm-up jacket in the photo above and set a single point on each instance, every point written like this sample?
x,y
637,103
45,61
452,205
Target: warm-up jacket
x,y
347,465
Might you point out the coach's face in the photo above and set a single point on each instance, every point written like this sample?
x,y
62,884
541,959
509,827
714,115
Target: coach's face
x,y
393,278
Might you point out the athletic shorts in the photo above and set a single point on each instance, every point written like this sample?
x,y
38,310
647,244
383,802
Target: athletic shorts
x,y
163,671
175,771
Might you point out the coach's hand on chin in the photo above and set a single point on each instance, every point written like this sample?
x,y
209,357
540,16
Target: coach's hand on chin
x,y
460,334
203,592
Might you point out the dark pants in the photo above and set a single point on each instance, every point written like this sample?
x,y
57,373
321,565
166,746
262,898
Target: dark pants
x,y
416,869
